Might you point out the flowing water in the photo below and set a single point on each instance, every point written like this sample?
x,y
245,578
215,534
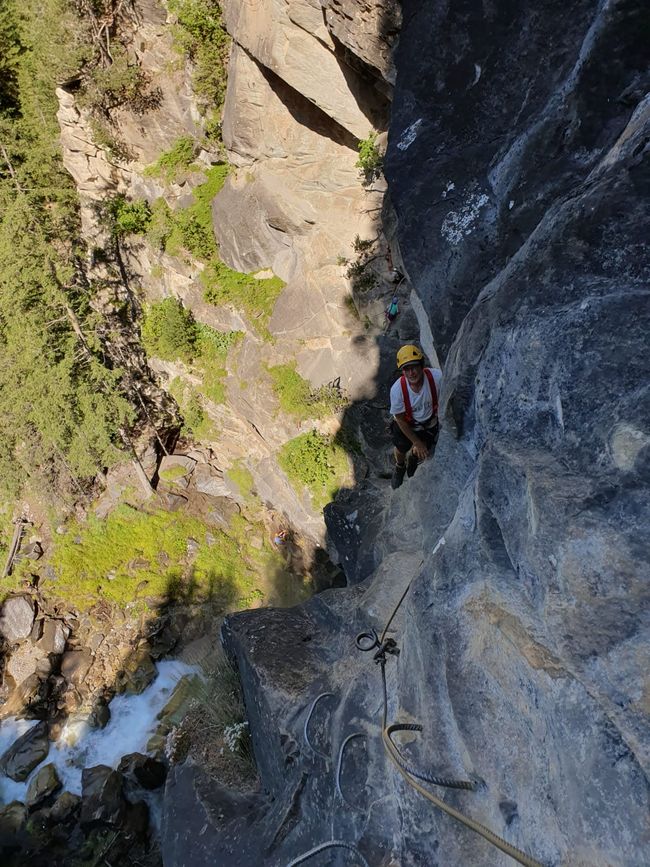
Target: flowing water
x,y
133,721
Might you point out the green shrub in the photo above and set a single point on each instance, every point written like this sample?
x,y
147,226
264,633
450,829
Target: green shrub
x,y
316,462
245,292
297,397
173,162
202,36
212,351
160,225
197,424
370,160
169,331
128,218
192,226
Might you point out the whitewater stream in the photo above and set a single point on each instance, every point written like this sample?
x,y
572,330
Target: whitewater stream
x,y
133,721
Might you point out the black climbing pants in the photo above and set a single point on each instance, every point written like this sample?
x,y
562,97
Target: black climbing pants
x,y
428,435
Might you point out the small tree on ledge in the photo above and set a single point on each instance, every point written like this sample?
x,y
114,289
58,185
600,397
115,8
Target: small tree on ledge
x,y
371,159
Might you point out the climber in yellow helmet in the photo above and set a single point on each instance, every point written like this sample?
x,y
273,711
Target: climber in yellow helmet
x,y
414,407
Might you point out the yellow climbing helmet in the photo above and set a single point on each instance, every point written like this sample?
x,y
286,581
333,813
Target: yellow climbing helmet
x,y
408,354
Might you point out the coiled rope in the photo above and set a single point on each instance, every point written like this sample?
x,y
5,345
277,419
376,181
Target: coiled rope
x,y
367,641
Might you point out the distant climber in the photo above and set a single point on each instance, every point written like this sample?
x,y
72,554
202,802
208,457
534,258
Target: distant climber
x,y
414,407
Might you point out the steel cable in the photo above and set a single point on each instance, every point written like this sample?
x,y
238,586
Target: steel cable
x,y
367,641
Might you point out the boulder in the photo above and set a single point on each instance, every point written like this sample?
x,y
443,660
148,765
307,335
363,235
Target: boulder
x,y
209,481
13,817
45,782
27,660
65,807
54,637
138,672
76,664
143,770
174,467
17,618
24,754
102,800
33,551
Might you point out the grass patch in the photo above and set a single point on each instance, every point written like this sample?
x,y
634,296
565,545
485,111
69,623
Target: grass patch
x,y
246,292
190,231
298,398
316,462
144,555
215,730
243,478
175,162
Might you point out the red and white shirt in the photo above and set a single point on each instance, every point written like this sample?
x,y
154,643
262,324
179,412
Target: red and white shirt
x,y
421,401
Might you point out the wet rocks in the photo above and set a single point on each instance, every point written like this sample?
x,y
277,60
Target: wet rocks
x,y
44,784
143,771
102,800
28,751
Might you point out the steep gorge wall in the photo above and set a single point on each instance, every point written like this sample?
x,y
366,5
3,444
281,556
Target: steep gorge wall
x,y
518,176
292,206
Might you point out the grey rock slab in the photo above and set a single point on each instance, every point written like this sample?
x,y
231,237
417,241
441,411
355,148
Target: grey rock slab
x,y
44,783
26,753
75,665
24,662
55,635
210,482
17,618
102,800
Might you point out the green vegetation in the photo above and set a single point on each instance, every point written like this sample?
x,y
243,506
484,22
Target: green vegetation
x,y
175,162
190,229
196,421
357,271
61,406
215,730
371,159
169,331
246,292
127,218
297,397
212,349
316,462
241,476
136,555
201,35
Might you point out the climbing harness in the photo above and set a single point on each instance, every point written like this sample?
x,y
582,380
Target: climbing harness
x,y
408,412
392,311
369,640
332,844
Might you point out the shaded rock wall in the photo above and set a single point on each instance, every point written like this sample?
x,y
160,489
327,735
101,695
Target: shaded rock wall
x,y
518,174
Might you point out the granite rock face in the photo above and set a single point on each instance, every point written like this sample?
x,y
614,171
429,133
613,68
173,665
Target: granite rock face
x,y
519,180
